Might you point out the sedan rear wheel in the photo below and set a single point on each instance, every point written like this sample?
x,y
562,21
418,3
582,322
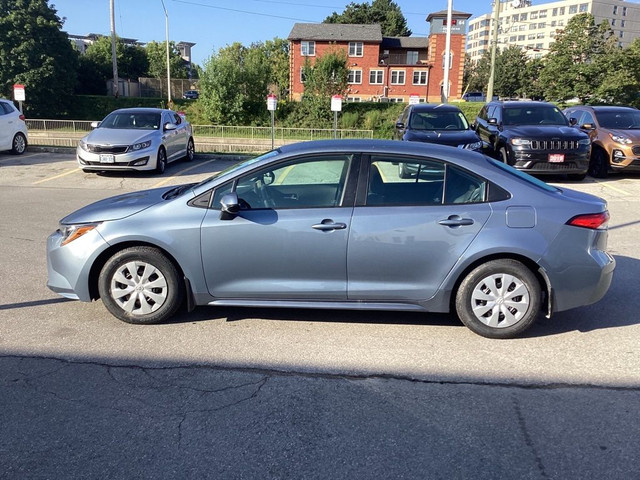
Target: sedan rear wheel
x,y
19,144
499,299
161,162
140,285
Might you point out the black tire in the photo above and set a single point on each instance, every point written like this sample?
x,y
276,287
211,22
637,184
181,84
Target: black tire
x,y
19,144
191,150
488,311
150,294
161,162
599,163
503,156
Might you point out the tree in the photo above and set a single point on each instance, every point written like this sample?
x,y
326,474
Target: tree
x,y
478,74
35,52
277,55
157,58
509,72
328,76
234,85
574,65
385,13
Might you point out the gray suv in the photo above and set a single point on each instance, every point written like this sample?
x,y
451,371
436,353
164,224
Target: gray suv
x,y
534,137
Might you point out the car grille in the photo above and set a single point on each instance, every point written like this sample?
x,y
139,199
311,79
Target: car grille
x,y
636,150
554,144
555,166
114,149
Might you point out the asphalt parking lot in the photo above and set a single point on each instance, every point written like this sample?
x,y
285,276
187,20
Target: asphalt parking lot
x,y
250,393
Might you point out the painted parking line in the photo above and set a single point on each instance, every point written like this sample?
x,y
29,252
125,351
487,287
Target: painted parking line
x,y
616,189
69,172
174,177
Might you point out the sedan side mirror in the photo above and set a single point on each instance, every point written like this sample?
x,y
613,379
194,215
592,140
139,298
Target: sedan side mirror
x,y
95,124
230,206
400,126
170,126
587,126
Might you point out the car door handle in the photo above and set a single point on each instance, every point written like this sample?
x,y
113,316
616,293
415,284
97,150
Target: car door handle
x,y
456,221
328,225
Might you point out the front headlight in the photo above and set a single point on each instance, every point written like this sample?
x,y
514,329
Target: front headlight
x,y
141,145
73,232
520,142
584,141
473,146
83,145
620,139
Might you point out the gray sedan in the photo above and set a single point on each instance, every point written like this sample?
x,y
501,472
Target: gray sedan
x,y
136,139
332,224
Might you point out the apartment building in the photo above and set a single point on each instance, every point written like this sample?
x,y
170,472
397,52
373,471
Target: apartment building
x,y
534,27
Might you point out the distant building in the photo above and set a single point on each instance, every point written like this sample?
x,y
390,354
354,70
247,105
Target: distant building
x,y
390,69
534,27
82,42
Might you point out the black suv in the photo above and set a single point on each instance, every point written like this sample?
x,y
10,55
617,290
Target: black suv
x,y
534,137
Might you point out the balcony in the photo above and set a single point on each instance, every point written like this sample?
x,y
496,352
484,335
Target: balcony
x,y
406,58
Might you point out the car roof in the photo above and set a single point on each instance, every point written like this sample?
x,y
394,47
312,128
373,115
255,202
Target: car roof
x,y
523,103
429,107
612,108
141,110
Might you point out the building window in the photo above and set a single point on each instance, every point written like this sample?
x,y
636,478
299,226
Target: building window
x,y
584,7
523,17
420,77
521,38
542,25
303,77
397,77
355,49
613,22
554,12
412,57
573,9
533,16
308,49
623,23
543,14
355,76
621,34
531,36
561,10
615,9
376,77
624,11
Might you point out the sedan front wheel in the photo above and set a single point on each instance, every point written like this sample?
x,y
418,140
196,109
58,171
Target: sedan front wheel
x,y
140,285
499,299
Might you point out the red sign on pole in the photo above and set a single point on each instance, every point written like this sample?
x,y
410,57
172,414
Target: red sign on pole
x,y
18,92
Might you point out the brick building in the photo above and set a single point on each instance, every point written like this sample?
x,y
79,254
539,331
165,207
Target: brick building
x,y
382,68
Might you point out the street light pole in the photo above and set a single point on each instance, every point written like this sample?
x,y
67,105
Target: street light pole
x,y
114,58
447,54
166,21
494,46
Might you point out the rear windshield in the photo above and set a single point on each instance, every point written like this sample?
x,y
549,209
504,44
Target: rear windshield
x,y
523,176
533,115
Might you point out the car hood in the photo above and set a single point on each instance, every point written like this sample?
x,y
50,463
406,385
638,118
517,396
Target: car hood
x,y
548,132
115,136
443,137
117,207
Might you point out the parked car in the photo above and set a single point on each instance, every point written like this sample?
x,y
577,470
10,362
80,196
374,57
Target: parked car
x,y
474,97
615,137
191,94
534,137
13,129
136,139
330,224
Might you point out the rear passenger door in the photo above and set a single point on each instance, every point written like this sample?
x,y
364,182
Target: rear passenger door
x,y
412,221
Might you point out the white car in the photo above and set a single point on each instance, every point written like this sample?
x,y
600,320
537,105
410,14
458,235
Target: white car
x,y
136,139
13,130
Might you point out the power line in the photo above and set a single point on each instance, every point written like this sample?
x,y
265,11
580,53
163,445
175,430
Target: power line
x,y
245,11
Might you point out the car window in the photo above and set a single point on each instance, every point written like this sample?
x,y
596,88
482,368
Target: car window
x,y
438,120
587,118
309,182
533,115
620,120
463,187
5,108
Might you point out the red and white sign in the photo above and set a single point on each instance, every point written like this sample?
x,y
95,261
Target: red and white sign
x,y
272,102
414,99
18,93
336,103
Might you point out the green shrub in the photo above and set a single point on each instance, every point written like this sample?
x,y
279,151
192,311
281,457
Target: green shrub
x,y
350,120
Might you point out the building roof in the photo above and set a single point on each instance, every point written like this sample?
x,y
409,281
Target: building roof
x,y
443,13
405,42
336,32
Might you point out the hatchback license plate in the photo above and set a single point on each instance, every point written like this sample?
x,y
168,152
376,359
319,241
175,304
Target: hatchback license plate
x,y
556,157
107,159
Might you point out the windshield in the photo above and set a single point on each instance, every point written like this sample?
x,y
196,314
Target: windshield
x,y
434,120
238,166
132,120
533,115
620,120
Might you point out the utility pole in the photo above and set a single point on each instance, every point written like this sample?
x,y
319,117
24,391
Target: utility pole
x,y
494,46
447,55
166,25
114,59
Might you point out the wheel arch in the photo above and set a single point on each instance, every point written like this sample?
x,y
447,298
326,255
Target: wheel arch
x,y
102,259
537,270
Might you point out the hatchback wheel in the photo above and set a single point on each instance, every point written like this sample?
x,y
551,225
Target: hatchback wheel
x,y
140,285
599,163
161,162
19,144
499,299
191,150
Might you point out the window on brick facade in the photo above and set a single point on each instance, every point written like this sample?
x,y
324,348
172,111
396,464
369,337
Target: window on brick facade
x,y
355,76
308,48
397,77
376,77
420,77
355,49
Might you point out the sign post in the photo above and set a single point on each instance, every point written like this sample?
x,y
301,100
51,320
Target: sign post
x,y
272,104
18,94
336,106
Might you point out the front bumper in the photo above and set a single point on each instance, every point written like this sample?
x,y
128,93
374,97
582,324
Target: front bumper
x,y
541,162
139,160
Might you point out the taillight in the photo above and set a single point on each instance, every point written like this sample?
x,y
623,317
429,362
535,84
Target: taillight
x,y
22,117
593,221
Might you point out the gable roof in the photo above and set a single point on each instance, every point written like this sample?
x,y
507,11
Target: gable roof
x,y
405,42
336,32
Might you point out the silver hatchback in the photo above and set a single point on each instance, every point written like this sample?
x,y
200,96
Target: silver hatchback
x,y
333,224
136,139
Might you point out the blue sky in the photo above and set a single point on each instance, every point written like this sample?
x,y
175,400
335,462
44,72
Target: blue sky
x,y
213,24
